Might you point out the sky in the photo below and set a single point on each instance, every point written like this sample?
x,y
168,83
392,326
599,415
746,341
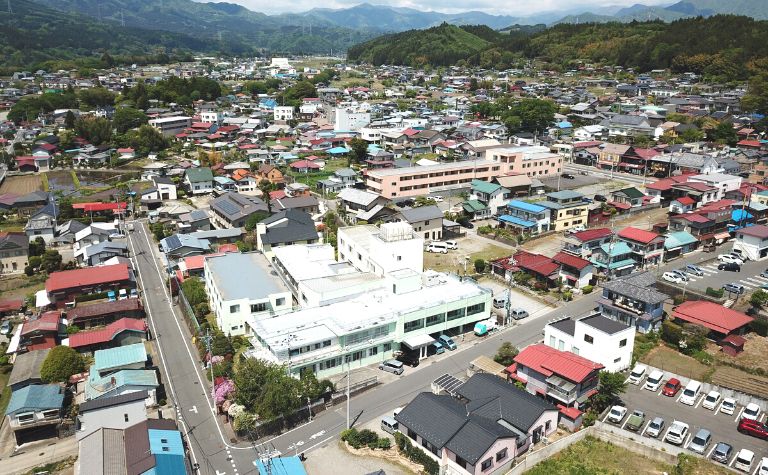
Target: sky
x,y
495,7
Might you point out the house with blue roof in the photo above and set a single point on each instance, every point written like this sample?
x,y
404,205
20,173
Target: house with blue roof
x,y
34,412
613,258
184,245
122,382
116,359
679,243
525,217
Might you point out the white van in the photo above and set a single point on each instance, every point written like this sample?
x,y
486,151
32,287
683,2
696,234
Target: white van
x,y
500,300
389,424
654,380
452,244
439,247
637,373
744,460
690,393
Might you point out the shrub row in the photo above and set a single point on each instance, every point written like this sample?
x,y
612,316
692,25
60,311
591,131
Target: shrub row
x,y
365,438
415,454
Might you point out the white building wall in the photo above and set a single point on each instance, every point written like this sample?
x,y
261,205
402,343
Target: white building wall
x,y
605,349
752,246
372,254
351,120
114,417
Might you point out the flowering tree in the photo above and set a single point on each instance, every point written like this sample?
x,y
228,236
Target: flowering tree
x,y
223,390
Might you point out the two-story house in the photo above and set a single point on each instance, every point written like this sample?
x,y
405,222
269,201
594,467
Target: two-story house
x,y
647,246
631,197
14,252
270,173
341,178
583,243
594,337
574,271
524,217
559,376
492,195
482,429
567,209
34,412
199,181
752,241
425,220
634,301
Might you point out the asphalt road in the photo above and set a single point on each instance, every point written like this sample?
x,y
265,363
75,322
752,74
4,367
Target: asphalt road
x,y
592,171
722,426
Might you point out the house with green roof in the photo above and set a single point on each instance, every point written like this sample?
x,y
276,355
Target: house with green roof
x,y
679,243
492,195
476,209
116,359
628,196
34,412
119,383
613,258
199,181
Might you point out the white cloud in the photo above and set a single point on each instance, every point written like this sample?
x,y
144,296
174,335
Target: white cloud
x,y
510,7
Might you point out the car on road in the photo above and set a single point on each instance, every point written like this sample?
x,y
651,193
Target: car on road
x,y
682,274
763,467
677,433
753,428
729,259
447,342
734,288
695,270
744,460
438,198
518,313
655,427
722,452
752,411
728,406
730,267
467,224
764,274
5,328
392,366
567,176
654,380
671,388
617,414
711,400
672,277
700,441
600,198
637,373
453,245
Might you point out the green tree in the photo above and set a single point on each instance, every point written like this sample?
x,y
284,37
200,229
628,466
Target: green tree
x,y
479,266
266,187
51,261
61,363
506,353
724,133
96,130
145,139
758,299
69,120
254,219
194,291
96,97
37,247
221,345
35,261
612,385
359,149
127,118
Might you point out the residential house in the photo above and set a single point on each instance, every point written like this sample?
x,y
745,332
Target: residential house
x,y
306,204
115,413
518,185
34,412
125,331
524,217
240,286
183,245
647,246
681,205
627,198
285,228
492,195
544,269
105,313
426,220
721,182
118,371
583,243
567,209
484,428
93,234
679,243
636,160
623,125
65,233
271,174
356,201
341,178
574,271
752,241
64,286
634,301
166,188
609,156
195,220
41,225
232,210
559,376
96,254
199,180
721,321
14,252
30,204
41,332
595,337
26,369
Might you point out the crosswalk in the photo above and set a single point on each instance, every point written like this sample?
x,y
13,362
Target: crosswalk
x,y
749,283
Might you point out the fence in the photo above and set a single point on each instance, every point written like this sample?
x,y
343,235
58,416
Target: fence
x,y
186,309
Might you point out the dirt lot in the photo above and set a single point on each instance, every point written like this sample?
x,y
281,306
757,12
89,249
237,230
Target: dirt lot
x,y
19,285
21,184
472,246
668,359
753,356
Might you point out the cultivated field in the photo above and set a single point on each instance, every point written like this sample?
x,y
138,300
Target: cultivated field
x,y
21,185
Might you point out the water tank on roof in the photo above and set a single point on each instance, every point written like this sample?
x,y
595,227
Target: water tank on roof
x,y
395,231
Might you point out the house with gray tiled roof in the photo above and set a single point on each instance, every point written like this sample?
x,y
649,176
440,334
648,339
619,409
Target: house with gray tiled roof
x,y
634,300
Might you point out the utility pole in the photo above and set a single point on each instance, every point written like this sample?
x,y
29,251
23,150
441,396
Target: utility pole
x,y
207,339
349,367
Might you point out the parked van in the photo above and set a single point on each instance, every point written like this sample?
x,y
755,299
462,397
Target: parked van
x,y
637,373
439,247
452,244
518,313
500,300
654,380
389,424
690,393
744,460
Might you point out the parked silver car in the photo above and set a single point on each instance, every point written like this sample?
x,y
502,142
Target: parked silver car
x,y
392,366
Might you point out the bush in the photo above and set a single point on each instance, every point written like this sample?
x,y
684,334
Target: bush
x,y
715,292
365,438
61,363
201,310
760,326
587,289
415,454
479,266
384,443
671,333
679,298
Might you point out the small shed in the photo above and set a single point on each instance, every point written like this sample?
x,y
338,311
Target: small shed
x,y
732,345
485,364
570,417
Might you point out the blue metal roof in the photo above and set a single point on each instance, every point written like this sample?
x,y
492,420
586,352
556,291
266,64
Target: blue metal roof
x,y
517,221
115,358
281,466
168,449
525,206
101,386
337,150
679,239
37,397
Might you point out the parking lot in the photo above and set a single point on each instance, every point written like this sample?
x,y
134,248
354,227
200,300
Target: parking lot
x,y
722,426
533,306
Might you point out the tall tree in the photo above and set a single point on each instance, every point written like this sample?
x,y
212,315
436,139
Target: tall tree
x,y
61,363
359,149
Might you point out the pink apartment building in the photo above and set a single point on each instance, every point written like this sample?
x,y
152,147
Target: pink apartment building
x,y
533,161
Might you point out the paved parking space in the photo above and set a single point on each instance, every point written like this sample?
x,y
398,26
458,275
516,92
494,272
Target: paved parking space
x,y
721,425
535,307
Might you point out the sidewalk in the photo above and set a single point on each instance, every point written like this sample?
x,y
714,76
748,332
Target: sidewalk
x,y
37,454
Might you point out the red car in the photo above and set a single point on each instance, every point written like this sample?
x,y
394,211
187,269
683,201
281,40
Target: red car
x,y
753,428
671,388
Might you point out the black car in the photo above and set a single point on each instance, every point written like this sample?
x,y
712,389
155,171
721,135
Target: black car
x,y
660,175
729,266
600,198
467,224
409,359
406,203
568,176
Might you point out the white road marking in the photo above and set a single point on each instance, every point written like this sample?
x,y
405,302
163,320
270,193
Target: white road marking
x,y
666,432
645,429
606,417
739,416
678,397
701,398
193,409
687,440
317,434
220,473
625,422
709,454
733,460
661,391
717,409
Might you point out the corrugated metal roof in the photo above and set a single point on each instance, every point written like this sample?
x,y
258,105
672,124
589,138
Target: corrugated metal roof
x,y
114,358
87,277
549,361
85,338
37,397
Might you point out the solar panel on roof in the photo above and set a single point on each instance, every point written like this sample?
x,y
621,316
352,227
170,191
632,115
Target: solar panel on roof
x,y
173,242
447,383
228,207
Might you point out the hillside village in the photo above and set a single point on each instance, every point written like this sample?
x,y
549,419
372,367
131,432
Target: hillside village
x,y
465,270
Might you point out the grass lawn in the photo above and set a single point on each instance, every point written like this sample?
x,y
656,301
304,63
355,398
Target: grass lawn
x,y
594,456
5,396
310,179
668,359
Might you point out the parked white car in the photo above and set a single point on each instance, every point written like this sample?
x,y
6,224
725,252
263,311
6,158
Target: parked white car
x,y
672,277
637,373
617,414
711,400
728,406
654,380
752,411
677,433
744,460
729,259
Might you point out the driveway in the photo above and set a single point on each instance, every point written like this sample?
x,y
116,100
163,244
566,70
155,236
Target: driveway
x,y
722,426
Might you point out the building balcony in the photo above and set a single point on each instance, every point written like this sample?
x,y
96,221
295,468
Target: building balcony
x,y
622,306
37,421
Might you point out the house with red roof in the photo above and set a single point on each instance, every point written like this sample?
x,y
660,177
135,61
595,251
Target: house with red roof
x,y
584,243
41,333
647,246
719,320
125,331
304,166
541,268
94,314
65,286
559,376
681,205
574,270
